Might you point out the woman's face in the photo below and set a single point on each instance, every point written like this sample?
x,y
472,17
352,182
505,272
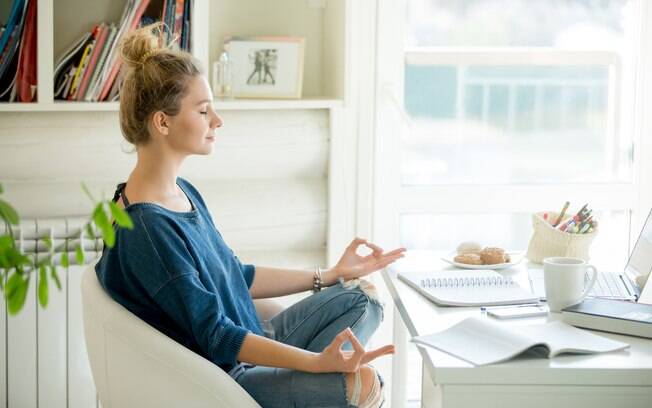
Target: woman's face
x,y
192,130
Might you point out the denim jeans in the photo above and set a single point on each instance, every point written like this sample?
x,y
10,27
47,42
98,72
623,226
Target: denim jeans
x,y
311,324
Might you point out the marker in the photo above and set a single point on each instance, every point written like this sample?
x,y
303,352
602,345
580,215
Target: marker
x,y
585,228
579,213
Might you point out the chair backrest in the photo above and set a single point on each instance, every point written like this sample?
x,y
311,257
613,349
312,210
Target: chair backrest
x,y
135,365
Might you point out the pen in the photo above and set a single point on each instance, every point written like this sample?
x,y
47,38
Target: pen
x,y
561,214
485,308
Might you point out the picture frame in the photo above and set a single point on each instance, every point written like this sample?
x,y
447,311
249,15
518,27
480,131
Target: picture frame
x,y
266,67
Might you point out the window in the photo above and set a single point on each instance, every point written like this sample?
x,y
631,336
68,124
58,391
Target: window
x,y
512,107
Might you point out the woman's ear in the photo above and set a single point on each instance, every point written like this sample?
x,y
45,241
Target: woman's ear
x,y
161,123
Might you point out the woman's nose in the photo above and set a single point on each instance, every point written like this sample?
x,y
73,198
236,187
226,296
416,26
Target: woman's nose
x,y
217,121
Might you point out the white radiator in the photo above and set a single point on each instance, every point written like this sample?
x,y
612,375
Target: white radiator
x,y
42,350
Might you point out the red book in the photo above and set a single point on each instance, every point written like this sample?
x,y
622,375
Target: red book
x,y
178,21
100,35
26,75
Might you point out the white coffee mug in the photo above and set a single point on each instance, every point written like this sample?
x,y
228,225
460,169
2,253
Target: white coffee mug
x,y
564,281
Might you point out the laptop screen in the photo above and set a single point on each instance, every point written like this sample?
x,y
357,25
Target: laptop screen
x,y
640,261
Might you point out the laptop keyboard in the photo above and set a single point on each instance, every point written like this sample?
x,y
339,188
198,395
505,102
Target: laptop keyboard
x,y
608,284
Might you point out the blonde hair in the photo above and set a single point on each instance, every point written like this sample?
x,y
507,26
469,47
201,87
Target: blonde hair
x,y
156,79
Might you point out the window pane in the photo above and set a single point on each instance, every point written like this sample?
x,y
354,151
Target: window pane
x,y
512,231
511,124
547,23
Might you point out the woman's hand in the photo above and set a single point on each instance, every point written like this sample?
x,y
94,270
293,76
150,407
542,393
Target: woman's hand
x,y
352,266
335,360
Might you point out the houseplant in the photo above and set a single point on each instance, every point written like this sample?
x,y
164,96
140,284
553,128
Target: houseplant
x,y
17,269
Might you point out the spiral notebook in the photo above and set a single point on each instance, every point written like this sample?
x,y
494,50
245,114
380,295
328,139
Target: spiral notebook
x,y
468,288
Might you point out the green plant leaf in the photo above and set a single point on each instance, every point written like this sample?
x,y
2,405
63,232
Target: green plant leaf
x,y
6,242
87,191
79,254
1,189
64,259
8,213
12,283
120,216
42,286
55,276
16,298
102,221
15,258
48,242
89,231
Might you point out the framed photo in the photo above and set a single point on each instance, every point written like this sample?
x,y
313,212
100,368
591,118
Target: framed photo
x,y
266,67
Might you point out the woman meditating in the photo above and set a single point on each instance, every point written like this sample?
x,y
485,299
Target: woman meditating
x,y
174,270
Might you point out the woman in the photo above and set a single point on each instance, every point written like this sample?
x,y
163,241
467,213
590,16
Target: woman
x,y
174,270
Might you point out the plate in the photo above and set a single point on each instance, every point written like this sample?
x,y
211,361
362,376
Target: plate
x,y
517,257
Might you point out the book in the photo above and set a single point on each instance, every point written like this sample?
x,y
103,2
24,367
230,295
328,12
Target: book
x,y
617,316
14,18
481,340
468,288
8,56
130,24
178,21
26,80
80,70
69,56
100,34
100,64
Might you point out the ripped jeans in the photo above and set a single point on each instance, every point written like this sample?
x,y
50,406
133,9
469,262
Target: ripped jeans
x,y
312,324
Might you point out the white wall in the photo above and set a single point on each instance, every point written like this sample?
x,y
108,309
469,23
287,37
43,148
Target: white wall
x,y
265,183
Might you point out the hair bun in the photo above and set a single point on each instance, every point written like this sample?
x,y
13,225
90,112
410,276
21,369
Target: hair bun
x,y
140,45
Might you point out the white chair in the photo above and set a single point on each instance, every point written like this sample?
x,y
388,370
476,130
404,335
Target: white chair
x,y
135,365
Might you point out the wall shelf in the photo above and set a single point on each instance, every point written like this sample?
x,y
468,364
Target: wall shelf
x,y
321,25
236,104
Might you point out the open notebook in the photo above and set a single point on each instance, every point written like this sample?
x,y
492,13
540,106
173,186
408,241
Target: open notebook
x,y
480,340
468,288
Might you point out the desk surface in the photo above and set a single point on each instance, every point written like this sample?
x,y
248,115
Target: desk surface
x,y
631,367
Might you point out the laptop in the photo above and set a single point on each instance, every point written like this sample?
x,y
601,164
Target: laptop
x,y
616,285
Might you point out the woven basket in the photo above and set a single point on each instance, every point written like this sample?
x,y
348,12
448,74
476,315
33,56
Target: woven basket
x,y
548,241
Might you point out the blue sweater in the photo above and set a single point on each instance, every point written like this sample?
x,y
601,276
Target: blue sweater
x,y
174,271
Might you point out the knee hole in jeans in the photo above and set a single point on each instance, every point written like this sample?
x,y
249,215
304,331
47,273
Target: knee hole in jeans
x,y
368,392
366,287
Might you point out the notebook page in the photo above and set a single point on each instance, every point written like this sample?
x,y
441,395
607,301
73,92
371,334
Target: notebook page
x,y
468,288
478,340
563,338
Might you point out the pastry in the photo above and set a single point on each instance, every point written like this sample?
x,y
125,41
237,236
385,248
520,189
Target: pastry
x,y
470,259
469,247
493,255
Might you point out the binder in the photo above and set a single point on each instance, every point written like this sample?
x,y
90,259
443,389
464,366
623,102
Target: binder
x,y
469,287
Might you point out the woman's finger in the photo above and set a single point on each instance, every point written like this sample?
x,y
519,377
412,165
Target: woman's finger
x,y
356,243
395,252
374,247
340,339
357,346
374,354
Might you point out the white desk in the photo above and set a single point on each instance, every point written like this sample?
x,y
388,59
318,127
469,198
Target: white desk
x,y
621,379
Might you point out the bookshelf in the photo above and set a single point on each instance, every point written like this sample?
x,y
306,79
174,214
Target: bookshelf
x,y
321,22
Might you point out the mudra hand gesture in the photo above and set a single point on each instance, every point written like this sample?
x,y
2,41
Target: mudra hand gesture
x,y
352,266
334,359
